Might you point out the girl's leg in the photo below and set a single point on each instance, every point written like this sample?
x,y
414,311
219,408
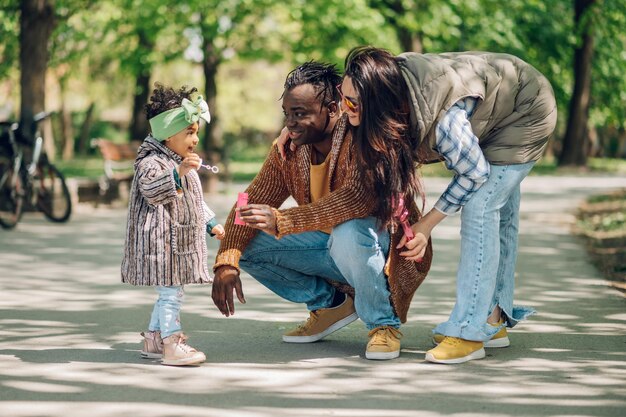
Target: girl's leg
x,y
169,304
155,325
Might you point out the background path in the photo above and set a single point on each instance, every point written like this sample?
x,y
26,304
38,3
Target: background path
x,y
69,343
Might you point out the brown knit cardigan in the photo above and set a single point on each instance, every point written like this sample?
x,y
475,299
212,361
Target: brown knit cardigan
x,y
348,200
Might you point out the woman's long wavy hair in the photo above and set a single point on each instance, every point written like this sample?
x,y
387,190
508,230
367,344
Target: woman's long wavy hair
x,y
384,143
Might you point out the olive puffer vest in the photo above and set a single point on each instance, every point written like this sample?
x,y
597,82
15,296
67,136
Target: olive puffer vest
x,y
514,117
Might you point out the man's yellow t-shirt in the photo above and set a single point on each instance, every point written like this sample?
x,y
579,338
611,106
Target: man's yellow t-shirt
x,y
320,183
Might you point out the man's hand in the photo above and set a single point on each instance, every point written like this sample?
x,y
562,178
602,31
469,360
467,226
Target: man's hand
x,y
226,280
281,143
259,216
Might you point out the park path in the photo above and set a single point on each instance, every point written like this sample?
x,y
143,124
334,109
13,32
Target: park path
x,y
69,332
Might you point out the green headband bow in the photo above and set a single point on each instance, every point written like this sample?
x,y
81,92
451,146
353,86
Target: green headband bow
x,y
173,121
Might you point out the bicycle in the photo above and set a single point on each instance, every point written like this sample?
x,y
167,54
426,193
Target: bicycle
x,y
34,185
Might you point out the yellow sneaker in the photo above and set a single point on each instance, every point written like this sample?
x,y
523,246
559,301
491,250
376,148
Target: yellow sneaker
x,y
455,350
323,322
384,343
498,340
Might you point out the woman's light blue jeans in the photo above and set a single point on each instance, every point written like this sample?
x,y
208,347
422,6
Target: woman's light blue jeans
x,y
295,267
486,273
166,312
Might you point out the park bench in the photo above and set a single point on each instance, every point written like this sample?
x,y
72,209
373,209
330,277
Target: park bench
x,y
118,165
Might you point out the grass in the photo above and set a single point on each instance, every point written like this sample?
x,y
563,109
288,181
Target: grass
x,y
83,167
244,169
605,212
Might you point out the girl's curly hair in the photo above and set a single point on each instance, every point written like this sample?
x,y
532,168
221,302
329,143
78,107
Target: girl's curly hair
x,y
166,98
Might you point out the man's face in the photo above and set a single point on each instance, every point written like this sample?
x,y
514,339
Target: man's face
x,y
307,120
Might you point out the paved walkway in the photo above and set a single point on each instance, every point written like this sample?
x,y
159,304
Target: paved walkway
x,y
69,333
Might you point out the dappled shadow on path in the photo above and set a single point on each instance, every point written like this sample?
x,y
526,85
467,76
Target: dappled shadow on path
x,y
69,342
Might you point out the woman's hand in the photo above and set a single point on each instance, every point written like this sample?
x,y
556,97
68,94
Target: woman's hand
x,y
281,143
259,216
416,247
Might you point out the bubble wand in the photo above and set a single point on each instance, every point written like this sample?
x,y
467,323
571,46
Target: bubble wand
x,y
401,213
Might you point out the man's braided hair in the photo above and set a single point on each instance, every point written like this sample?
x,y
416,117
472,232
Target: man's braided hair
x,y
324,77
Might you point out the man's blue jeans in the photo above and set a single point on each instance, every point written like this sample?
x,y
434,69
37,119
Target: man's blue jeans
x,y
486,275
295,267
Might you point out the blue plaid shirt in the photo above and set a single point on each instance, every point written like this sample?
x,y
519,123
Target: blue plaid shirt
x,y
459,147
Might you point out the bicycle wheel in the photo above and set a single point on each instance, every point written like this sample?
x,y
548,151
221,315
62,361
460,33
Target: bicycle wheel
x,y
11,194
53,197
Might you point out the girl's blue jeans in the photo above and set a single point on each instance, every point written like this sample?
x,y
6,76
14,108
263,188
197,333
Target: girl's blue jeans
x,y
486,272
166,312
295,267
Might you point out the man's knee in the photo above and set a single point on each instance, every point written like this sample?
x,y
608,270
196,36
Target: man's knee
x,y
349,237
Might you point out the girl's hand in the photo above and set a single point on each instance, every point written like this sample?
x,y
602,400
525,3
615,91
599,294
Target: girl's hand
x,y
218,231
191,162
281,143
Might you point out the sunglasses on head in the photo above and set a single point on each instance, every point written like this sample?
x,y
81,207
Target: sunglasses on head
x,y
351,105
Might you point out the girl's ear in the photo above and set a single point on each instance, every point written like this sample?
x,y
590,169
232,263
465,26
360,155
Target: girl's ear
x,y
333,108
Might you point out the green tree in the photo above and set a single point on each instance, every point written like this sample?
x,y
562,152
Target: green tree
x,y
37,21
575,143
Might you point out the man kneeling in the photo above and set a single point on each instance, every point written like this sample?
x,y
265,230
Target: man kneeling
x,y
329,237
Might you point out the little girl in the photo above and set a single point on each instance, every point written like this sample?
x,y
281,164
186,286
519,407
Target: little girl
x,y
167,219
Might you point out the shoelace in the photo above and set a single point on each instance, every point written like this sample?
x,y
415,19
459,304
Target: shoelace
x,y
381,333
452,341
309,322
182,344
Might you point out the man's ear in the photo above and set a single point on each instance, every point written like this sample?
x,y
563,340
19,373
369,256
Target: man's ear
x,y
333,108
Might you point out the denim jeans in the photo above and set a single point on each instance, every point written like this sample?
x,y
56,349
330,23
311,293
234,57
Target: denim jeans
x,y
486,272
295,267
166,312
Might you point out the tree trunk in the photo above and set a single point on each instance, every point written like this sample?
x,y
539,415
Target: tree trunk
x,y
37,22
139,125
213,141
409,41
576,143
67,129
83,138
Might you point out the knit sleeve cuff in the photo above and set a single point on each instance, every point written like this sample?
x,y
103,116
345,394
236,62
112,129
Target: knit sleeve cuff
x,y
229,257
284,225
210,225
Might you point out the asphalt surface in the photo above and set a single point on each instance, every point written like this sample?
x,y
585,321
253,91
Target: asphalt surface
x,y
69,332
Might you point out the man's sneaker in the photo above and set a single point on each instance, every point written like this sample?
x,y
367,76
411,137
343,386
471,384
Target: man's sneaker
x,y
152,345
498,340
384,343
177,352
455,350
323,322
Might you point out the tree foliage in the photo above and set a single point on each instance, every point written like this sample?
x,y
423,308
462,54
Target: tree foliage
x,y
119,41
